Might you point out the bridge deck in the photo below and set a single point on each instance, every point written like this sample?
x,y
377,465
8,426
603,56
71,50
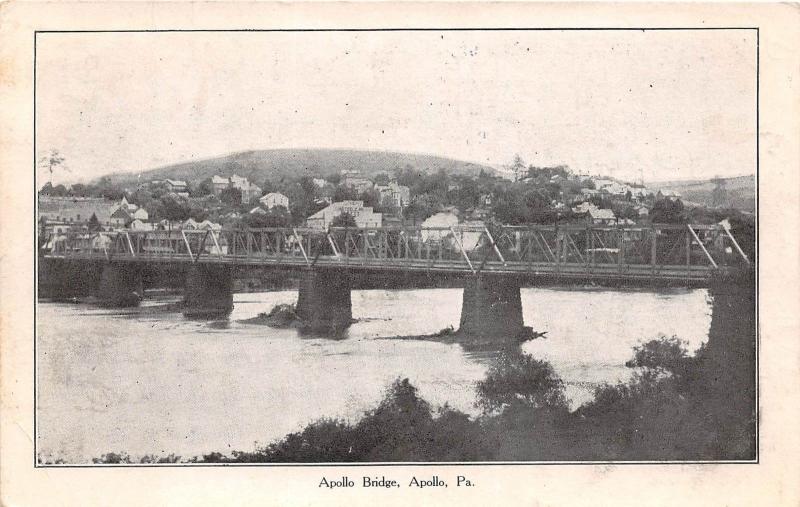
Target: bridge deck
x,y
659,254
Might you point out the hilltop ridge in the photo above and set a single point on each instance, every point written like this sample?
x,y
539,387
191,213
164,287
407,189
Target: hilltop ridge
x,y
257,165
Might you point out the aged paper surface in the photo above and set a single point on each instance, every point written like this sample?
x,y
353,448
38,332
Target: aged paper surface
x,y
769,477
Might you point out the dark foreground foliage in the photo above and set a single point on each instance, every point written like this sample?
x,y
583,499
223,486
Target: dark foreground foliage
x,y
676,407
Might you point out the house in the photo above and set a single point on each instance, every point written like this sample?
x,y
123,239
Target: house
x,y
121,216
252,191
140,214
238,181
394,195
139,225
178,186
274,199
320,182
613,188
437,226
208,225
354,179
584,207
441,227
602,182
189,224
219,183
601,217
363,215
642,211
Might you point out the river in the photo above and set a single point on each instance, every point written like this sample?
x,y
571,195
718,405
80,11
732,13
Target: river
x,y
142,381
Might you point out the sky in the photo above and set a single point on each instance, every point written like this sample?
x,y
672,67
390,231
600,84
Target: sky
x,y
629,104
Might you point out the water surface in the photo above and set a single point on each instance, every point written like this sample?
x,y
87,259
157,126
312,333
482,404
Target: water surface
x,y
151,382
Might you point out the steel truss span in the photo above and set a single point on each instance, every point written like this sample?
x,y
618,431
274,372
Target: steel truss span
x,y
658,253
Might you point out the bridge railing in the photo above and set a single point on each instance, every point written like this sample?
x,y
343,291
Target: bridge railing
x,y
476,248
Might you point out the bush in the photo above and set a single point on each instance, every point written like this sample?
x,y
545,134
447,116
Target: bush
x,y
517,378
662,356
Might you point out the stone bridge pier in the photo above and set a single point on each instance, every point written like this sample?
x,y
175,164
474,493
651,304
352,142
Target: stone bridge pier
x,y
120,285
492,309
323,301
208,291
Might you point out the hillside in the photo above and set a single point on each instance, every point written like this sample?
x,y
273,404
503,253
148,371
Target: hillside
x,y
739,191
257,165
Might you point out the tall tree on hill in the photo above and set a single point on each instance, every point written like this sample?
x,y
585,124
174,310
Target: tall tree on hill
x,y
719,196
94,223
51,161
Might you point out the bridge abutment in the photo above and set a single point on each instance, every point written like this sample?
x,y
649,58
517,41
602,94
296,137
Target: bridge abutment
x,y
323,302
208,291
64,279
492,309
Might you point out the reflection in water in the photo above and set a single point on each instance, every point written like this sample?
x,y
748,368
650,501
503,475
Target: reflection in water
x,y
148,380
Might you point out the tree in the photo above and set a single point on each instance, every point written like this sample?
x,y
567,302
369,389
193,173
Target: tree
x,y
371,198
51,161
205,187
666,211
231,196
79,190
94,223
173,209
517,166
344,220
719,196
275,217
343,193
381,179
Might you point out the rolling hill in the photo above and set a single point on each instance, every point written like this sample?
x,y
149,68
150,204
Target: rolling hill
x,y
739,193
257,165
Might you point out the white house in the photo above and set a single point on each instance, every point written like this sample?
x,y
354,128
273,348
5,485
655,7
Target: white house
x,y
363,215
219,183
602,216
274,199
140,214
178,186
436,227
